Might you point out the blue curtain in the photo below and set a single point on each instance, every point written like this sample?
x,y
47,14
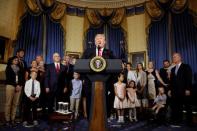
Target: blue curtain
x,y
90,35
158,42
54,39
185,38
75,11
30,37
135,10
116,42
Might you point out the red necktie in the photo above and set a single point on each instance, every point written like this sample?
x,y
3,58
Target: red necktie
x,y
57,68
100,52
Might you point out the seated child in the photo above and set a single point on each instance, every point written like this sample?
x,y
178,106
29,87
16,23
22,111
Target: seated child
x,y
160,100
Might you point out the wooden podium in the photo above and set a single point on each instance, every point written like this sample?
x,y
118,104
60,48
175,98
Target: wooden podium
x,y
98,116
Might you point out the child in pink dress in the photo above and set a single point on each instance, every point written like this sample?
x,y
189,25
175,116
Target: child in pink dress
x,y
120,102
132,102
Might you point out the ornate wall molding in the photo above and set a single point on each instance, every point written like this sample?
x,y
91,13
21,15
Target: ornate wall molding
x,y
103,4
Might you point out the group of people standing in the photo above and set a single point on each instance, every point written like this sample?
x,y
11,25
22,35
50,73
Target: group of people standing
x,y
168,88
136,90
39,85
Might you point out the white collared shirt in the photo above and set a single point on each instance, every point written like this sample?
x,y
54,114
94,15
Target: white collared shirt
x,y
97,51
28,88
56,64
131,76
177,67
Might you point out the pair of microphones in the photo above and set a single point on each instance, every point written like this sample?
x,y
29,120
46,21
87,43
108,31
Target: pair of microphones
x,y
98,47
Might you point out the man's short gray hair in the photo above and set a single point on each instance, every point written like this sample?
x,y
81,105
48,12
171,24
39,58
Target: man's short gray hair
x,y
54,54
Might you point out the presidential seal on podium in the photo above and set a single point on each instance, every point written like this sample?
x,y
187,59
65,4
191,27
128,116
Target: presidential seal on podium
x,y
98,64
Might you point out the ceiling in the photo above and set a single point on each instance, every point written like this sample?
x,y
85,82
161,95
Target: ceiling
x,y
102,0
102,3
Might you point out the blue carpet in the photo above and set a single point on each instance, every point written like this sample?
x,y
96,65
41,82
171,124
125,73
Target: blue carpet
x,y
82,125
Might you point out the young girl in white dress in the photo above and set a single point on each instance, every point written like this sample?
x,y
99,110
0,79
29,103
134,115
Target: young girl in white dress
x,y
132,102
120,101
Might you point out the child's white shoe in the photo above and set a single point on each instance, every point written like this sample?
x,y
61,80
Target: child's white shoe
x,y
131,119
118,121
135,119
122,119
35,122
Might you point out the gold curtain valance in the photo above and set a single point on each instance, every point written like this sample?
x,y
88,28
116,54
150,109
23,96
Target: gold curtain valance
x,y
58,12
178,6
115,16
33,6
93,17
55,10
156,12
118,16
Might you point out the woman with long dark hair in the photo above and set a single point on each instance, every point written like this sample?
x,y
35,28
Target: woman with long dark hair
x,y
13,90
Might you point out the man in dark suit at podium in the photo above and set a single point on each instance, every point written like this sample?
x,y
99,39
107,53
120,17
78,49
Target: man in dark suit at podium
x,y
99,50
89,53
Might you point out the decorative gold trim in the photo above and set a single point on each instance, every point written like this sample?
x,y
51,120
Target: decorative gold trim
x,y
74,54
33,6
58,12
101,66
102,4
154,10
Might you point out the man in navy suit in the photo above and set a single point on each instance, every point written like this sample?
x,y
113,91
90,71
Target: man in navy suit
x,y
55,82
181,83
99,50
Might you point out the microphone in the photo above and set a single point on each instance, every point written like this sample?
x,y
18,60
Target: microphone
x,y
99,47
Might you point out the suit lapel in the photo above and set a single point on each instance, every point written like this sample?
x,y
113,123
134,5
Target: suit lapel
x,y
180,68
104,52
94,52
54,68
61,67
105,55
